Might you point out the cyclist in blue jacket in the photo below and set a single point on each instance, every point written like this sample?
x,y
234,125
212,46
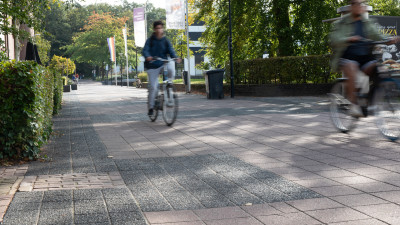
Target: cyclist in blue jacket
x,y
157,46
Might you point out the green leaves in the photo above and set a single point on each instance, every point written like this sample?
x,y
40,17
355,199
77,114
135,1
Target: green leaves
x,y
26,107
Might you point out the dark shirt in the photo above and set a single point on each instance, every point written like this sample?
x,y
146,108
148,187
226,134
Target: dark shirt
x,y
157,48
357,48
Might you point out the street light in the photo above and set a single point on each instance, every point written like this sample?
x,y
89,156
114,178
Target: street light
x,y
230,51
120,55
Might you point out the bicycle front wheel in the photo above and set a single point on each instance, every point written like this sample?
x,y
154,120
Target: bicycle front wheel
x,y
155,112
387,109
170,107
339,108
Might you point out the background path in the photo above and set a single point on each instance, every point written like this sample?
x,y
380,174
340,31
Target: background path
x,y
230,161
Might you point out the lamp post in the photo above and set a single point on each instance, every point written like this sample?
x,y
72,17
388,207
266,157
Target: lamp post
x,y
230,51
120,66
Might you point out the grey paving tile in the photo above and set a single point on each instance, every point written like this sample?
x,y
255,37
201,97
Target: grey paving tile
x,y
363,199
87,194
56,205
290,218
91,218
56,216
337,215
21,217
57,196
89,206
127,218
314,204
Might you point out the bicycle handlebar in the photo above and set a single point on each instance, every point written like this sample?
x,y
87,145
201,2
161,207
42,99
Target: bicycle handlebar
x,y
163,60
372,42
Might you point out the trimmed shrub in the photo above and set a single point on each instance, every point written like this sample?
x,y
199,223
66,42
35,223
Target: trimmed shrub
x,y
64,80
143,76
58,91
26,107
283,70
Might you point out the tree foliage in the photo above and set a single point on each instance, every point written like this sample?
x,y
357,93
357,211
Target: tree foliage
x,y
275,27
62,65
91,45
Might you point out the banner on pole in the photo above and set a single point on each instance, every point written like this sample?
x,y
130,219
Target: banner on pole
x,y
175,14
125,40
111,48
139,26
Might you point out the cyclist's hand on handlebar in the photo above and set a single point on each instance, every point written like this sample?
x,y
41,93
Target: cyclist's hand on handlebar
x,y
149,59
394,40
354,38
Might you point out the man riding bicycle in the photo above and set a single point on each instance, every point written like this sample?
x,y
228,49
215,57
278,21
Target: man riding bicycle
x,y
157,46
351,53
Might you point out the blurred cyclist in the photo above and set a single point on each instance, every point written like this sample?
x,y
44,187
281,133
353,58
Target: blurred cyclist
x,y
157,46
351,53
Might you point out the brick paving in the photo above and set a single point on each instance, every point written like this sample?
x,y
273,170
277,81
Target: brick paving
x,y
230,161
72,181
10,179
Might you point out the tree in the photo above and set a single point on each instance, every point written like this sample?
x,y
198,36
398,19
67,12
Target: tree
x,y
275,27
43,46
385,7
13,13
65,66
90,46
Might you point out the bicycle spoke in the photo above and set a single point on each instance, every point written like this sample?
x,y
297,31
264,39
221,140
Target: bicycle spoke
x,y
387,110
339,109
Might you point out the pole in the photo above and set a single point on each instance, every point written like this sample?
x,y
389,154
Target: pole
x,y
127,72
187,40
230,52
145,20
136,62
126,55
115,71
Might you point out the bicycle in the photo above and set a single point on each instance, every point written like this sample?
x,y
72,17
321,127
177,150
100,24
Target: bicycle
x,y
166,100
382,100
138,82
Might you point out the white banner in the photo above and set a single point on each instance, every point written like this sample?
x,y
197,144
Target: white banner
x,y
125,40
175,14
139,26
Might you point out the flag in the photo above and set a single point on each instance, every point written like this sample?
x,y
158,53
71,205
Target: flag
x,y
139,26
175,14
111,47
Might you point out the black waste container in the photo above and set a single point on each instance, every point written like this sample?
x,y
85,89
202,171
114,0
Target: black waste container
x,y
214,83
185,77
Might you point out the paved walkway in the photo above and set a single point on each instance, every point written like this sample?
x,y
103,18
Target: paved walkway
x,y
231,161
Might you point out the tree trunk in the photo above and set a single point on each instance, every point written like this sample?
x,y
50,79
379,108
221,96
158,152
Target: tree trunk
x,y
17,46
280,10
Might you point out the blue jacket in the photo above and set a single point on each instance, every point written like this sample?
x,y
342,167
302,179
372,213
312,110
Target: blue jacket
x,y
157,48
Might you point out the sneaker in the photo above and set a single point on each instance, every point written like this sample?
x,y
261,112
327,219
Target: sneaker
x,y
355,111
150,113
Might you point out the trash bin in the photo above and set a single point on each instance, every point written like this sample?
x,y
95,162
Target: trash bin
x,y
184,76
214,83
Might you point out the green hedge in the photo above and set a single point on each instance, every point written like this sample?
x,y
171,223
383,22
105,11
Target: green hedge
x,y
283,70
26,108
58,91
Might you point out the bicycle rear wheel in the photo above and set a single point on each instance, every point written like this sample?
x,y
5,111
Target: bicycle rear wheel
x,y
387,109
170,106
339,108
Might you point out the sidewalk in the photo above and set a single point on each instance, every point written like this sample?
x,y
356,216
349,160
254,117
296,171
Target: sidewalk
x,y
232,161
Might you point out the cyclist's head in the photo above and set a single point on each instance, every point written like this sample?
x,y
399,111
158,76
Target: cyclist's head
x,y
158,27
357,7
